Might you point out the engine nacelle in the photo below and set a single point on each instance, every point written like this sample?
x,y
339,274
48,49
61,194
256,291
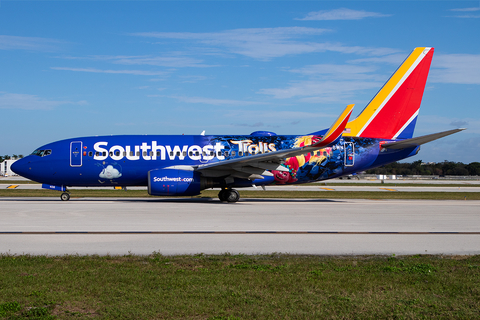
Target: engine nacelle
x,y
174,182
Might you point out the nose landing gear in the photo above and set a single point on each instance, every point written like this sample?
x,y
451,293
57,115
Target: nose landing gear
x,y
65,196
229,195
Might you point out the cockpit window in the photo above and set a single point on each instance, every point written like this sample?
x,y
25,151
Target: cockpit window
x,y
42,153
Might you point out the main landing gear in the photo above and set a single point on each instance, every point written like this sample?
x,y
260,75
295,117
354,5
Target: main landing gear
x,y
65,196
229,195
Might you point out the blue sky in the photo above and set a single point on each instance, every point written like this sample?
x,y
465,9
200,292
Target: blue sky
x,y
82,68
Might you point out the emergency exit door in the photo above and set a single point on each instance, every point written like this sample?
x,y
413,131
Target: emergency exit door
x,y
76,153
349,154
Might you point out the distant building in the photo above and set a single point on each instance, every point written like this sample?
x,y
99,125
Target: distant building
x,y
428,163
5,168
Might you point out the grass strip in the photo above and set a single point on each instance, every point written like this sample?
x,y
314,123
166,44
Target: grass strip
x,y
254,194
277,286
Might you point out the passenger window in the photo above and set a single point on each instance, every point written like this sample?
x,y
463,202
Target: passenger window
x,y
233,153
117,153
151,153
240,153
104,153
184,153
225,154
171,153
90,154
190,153
178,153
138,153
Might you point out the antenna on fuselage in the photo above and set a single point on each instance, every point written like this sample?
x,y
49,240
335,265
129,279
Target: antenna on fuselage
x,y
203,133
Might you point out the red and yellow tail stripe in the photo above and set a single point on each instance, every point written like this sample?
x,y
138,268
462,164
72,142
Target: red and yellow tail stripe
x,y
392,113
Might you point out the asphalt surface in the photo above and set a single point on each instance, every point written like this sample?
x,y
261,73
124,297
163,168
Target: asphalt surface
x,y
190,226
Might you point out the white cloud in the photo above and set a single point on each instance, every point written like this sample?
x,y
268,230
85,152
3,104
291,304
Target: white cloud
x,y
216,102
395,59
459,147
343,14
259,43
28,43
94,70
435,123
336,71
278,116
30,102
192,79
320,91
466,16
176,61
266,43
466,9
456,68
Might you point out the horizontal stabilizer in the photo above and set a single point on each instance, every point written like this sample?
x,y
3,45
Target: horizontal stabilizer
x,y
414,142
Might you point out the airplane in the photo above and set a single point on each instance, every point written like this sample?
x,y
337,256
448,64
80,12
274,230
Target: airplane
x,y
184,165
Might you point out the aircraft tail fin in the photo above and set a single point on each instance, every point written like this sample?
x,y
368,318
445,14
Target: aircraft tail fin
x,y
393,112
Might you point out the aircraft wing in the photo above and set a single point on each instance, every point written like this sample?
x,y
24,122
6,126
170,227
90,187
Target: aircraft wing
x,y
255,166
414,142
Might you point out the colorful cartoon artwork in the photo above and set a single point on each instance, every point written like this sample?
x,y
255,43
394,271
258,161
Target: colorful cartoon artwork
x,y
314,166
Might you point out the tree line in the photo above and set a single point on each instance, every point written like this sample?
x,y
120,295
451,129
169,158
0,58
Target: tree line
x,y
430,168
14,156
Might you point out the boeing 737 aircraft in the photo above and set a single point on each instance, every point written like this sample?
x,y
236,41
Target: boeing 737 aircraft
x,y
181,165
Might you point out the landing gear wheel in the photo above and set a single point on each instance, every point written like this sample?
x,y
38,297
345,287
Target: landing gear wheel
x,y
233,196
229,195
222,195
65,196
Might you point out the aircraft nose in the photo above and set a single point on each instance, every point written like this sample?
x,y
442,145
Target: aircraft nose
x,y
20,167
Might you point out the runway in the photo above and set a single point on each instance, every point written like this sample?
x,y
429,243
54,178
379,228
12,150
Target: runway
x,y
190,226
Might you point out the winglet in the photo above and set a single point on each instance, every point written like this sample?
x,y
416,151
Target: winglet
x,y
336,129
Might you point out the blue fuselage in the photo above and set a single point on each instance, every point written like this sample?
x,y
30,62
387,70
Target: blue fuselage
x,y
126,160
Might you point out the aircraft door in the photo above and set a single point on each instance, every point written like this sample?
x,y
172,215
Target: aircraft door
x,y
76,154
349,154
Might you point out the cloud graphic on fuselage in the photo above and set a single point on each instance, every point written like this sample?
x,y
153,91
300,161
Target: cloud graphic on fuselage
x,y
110,173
